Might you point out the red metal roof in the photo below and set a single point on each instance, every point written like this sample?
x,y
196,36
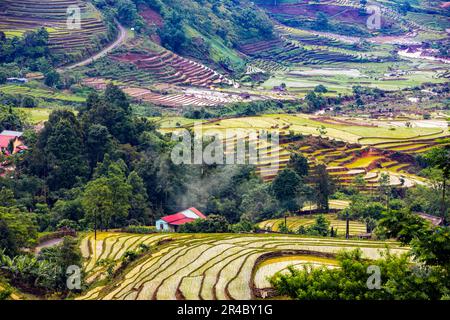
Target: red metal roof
x,y
4,140
173,217
182,221
180,218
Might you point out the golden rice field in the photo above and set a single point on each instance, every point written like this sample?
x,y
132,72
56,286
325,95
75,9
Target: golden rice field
x,y
208,266
304,124
294,223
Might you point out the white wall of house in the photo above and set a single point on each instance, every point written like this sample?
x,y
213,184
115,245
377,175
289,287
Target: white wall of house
x,y
161,225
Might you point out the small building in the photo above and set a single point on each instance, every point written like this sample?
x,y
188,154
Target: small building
x,y
6,137
16,80
434,220
172,222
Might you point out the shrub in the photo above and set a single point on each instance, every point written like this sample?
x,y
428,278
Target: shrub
x,y
212,224
5,293
130,256
243,226
140,229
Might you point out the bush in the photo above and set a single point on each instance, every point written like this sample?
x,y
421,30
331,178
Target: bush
x,y
5,293
140,229
29,102
243,226
130,256
400,280
212,224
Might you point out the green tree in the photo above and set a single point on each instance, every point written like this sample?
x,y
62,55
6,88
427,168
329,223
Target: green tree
x,y
299,164
106,199
324,187
52,78
258,204
321,226
17,230
98,143
97,201
401,224
320,89
11,119
112,111
212,224
58,155
286,188
439,157
139,209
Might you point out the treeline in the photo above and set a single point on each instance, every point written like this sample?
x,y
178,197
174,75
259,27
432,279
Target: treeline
x,y
421,274
242,109
108,168
29,53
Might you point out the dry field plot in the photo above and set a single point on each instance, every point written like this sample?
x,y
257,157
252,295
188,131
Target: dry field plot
x,y
215,266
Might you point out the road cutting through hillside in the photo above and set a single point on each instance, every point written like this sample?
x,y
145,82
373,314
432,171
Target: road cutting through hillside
x,y
122,38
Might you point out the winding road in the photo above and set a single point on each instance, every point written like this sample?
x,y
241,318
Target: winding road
x,y
122,38
48,244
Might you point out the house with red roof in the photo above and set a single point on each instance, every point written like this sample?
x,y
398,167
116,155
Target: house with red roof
x,y
172,222
13,138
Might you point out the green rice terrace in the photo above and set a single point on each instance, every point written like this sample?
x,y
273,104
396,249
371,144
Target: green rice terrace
x,y
349,147
17,17
341,106
207,267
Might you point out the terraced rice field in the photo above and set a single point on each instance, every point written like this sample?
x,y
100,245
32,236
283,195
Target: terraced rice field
x,y
304,124
198,97
111,246
168,67
19,16
343,163
209,267
294,223
288,52
40,92
269,267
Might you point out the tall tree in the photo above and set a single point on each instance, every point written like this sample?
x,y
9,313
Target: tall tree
x,y
286,188
112,111
324,187
139,208
439,157
58,155
299,164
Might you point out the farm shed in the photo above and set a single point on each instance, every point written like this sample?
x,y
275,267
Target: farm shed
x,y
171,222
16,80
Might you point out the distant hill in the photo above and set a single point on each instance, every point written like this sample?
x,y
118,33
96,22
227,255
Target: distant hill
x,y
208,30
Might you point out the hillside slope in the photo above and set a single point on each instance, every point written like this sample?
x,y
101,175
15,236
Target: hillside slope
x,y
207,31
69,45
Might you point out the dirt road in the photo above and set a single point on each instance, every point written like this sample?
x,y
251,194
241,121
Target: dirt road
x,y
122,38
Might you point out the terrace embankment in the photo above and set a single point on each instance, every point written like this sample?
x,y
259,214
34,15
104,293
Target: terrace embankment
x,y
202,266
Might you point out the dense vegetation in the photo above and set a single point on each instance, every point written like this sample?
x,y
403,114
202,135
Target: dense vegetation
x,y
98,163
197,29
